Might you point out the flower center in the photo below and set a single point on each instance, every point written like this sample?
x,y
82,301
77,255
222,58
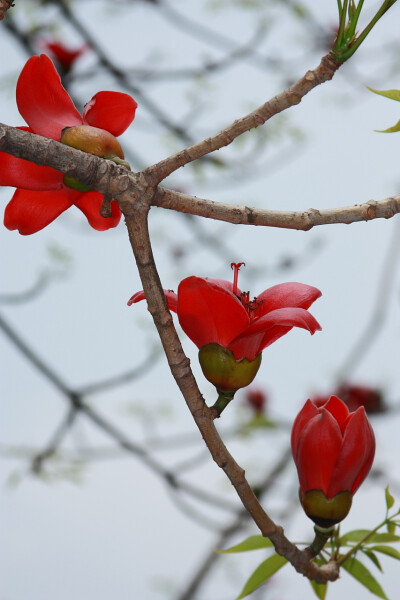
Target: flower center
x,y
252,306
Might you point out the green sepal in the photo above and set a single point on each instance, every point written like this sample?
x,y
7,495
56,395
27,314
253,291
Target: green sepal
x,y
222,369
324,511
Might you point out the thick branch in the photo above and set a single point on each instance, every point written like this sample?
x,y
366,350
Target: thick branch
x,y
304,219
113,180
289,97
202,415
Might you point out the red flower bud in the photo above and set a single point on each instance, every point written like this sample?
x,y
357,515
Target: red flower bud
x,y
333,450
256,399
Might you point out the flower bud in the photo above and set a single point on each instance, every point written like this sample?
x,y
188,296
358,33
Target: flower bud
x,y
93,141
222,369
333,449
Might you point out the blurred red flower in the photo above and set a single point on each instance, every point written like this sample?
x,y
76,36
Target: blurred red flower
x,y
217,311
256,399
63,55
355,396
41,194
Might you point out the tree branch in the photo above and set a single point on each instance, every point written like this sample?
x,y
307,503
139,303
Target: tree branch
x,y
289,97
303,220
136,222
125,186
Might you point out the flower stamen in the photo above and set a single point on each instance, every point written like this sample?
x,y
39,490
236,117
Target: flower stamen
x,y
236,267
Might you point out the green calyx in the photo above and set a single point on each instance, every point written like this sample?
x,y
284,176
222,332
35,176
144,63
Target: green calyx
x,y
93,141
325,512
222,369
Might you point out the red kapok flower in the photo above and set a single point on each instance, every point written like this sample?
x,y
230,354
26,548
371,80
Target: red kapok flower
x,y
230,329
361,395
215,310
63,55
256,398
42,192
333,450
355,396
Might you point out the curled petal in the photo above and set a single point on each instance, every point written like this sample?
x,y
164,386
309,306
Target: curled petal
x,y
209,313
42,100
90,203
285,295
20,173
265,331
29,211
308,411
356,455
113,111
171,298
318,446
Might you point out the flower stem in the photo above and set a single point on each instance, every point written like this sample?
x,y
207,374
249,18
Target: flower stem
x,y
322,535
224,397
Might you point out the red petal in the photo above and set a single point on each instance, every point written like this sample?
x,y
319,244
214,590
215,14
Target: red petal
x,y
339,410
171,298
308,412
209,313
226,285
20,173
356,456
30,211
90,203
284,295
42,100
113,111
318,447
265,331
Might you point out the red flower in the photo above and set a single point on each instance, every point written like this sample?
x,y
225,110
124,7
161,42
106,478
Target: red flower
x,y
256,399
42,194
61,53
333,450
216,311
355,396
358,395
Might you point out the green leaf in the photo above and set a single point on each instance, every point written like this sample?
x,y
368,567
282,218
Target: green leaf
x,y
372,558
263,572
392,94
387,550
358,534
376,538
320,589
393,129
360,572
391,527
353,536
388,496
254,542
